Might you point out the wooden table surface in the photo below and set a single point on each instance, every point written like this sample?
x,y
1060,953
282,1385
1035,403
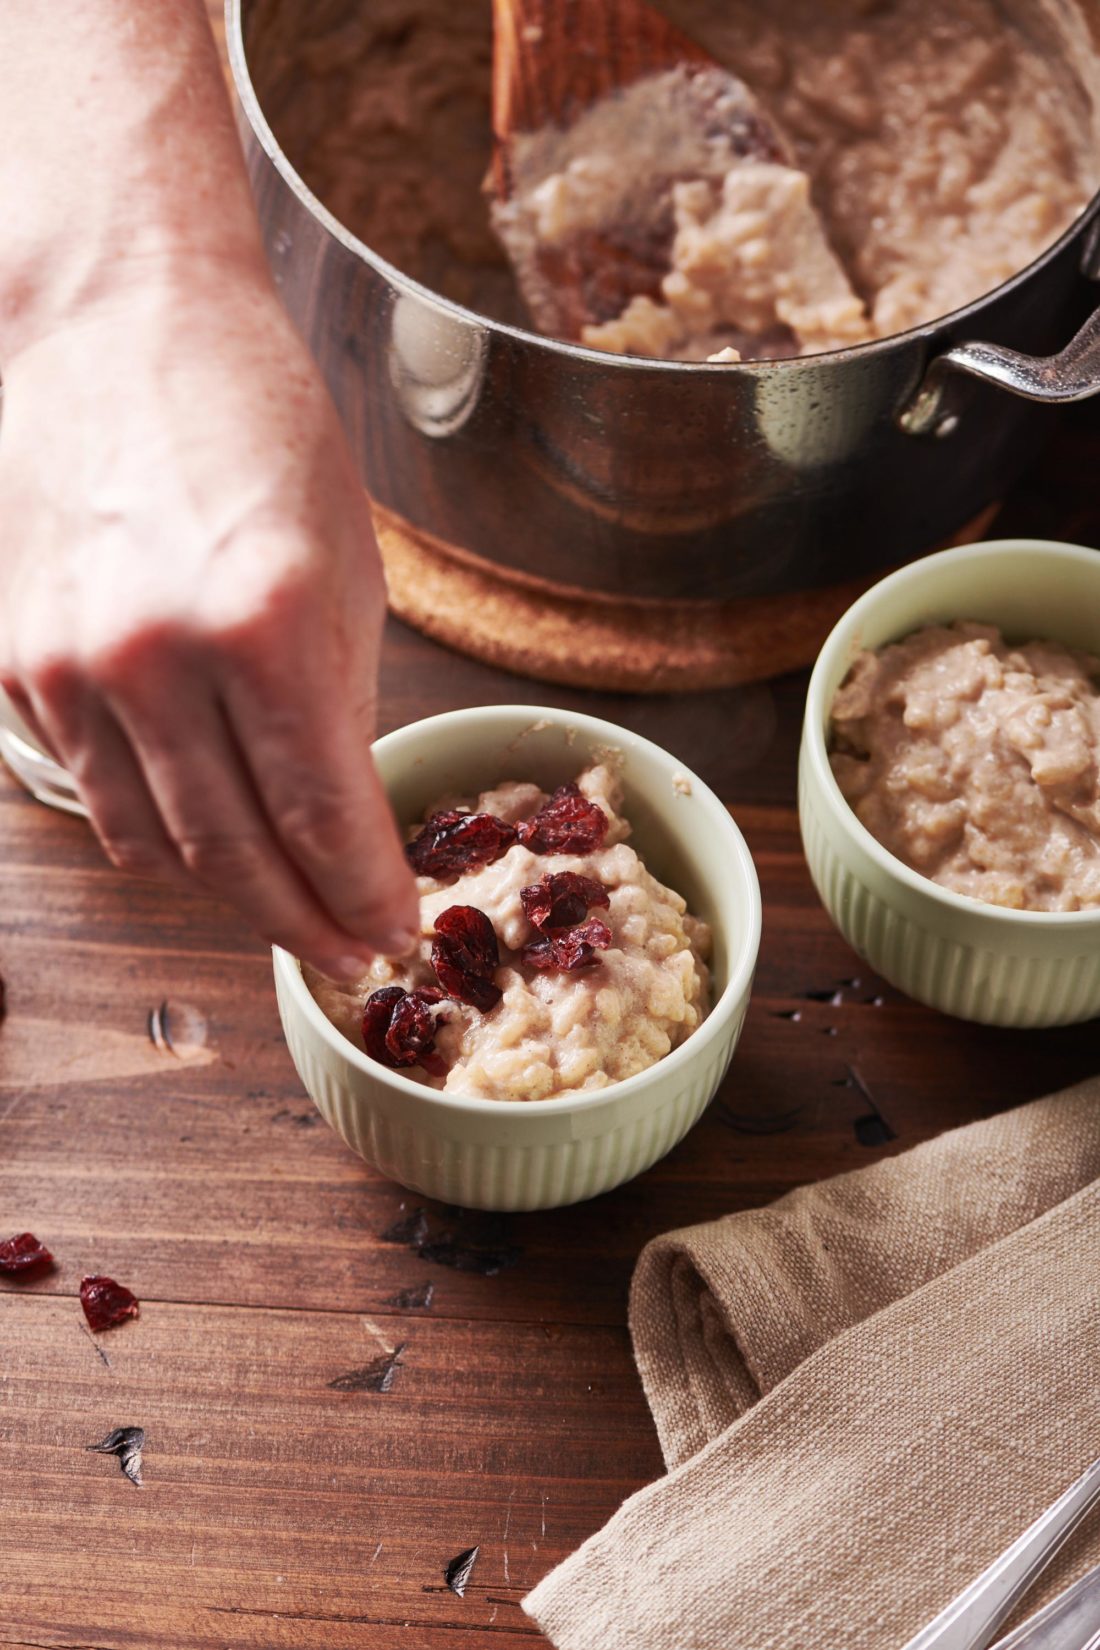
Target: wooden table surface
x,y
296,1495
331,1417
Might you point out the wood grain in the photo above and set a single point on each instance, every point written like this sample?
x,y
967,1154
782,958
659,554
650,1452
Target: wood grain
x,y
255,1242
279,1511
553,58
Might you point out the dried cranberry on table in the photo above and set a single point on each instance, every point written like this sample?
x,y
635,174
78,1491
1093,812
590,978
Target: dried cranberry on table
x,y
465,956
562,900
399,1028
452,843
576,949
23,1253
106,1303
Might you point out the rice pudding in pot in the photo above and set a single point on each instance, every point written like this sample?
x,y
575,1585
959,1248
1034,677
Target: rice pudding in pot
x,y
933,148
551,961
977,763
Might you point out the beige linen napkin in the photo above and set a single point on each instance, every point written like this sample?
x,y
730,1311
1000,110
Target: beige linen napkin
x,y
863,1393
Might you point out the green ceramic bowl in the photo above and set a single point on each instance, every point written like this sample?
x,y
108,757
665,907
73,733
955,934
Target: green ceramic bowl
x,y
507,1154
978,961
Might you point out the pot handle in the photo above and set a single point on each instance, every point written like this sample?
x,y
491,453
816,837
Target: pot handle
x,y
1071,375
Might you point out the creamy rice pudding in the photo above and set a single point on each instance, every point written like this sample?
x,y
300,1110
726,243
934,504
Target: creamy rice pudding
x,y
977,763
933,149
577,968
686,176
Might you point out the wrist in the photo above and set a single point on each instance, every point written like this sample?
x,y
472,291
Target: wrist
x,y
163,277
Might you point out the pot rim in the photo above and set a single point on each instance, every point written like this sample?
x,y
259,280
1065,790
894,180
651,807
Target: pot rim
x,y
927,330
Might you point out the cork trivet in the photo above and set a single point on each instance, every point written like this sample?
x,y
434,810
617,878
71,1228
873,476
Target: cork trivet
x,y
582,640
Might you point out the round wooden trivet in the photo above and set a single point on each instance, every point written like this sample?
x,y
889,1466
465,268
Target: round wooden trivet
x,y
582,640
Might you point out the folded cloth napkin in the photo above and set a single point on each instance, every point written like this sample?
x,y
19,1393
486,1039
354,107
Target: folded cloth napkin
x,y
863,1393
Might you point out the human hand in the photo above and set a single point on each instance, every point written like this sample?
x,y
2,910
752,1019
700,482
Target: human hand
x,y
191,604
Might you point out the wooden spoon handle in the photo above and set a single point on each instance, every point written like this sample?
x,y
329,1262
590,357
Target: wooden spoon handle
x,y
553,58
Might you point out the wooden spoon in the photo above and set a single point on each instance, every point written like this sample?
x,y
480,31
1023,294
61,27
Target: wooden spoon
x,y
553,60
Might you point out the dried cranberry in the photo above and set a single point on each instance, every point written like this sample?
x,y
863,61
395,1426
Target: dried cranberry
x,y
578,948
452,843
23,1253
562,900
410,1041
106,1303
399,1028
465,956
568,824
377,1015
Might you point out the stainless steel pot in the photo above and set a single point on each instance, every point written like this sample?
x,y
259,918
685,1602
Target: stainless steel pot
x,y
660,479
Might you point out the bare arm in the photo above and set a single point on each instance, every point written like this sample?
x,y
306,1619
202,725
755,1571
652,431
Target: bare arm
x,y
190,594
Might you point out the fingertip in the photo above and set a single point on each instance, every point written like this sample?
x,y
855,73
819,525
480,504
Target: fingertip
x,y
400,940
404,924
397,929
392,929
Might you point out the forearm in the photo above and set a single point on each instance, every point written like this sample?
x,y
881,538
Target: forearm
x,y
118,157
